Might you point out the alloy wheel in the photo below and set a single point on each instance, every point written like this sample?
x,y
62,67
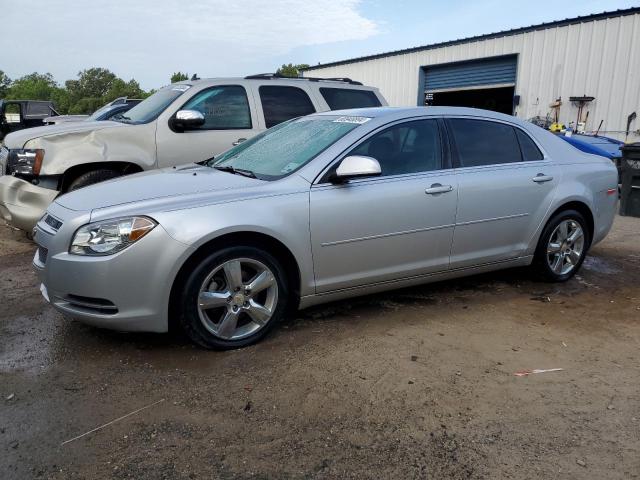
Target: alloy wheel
x,y
565,247
237,298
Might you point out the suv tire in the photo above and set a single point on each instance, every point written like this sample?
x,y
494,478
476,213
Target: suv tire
x,y
92,177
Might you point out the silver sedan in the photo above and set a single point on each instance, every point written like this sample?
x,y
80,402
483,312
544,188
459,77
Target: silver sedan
x,y
320,208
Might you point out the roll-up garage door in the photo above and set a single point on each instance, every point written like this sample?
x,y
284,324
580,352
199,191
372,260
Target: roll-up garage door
x,y
494,71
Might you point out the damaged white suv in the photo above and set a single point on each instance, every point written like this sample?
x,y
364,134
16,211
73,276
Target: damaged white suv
x,y
184,122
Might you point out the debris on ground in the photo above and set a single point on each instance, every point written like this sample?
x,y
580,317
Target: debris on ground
x,y
524,373
582,463
112,422
542,298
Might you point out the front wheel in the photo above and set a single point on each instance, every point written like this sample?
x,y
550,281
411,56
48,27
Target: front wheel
x,y
233,298
562,246
92,177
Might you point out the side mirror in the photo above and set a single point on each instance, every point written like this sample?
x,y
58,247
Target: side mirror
x,y
186,120
356,166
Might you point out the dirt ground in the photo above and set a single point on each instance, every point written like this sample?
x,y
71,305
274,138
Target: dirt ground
x,y
415,383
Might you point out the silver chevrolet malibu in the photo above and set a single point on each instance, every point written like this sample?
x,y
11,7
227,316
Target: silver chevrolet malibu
x,y
320,208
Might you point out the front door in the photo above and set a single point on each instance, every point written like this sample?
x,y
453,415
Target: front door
x,y
390,227
229,114
506,187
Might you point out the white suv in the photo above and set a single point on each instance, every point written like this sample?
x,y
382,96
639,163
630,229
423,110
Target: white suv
x,y
184,122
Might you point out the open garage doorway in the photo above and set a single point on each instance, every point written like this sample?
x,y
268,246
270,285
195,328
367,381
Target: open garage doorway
x,y
487,83
496,99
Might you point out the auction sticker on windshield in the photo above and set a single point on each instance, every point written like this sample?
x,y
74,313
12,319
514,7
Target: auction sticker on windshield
x,y
356,120
181,88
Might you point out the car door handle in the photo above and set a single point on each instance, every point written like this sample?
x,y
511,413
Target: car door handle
x,y
541,178
438,188
238,142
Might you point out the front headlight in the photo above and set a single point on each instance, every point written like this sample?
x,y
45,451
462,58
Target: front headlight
x,y
110,236
24,161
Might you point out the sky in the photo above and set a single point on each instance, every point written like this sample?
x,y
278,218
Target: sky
x,y
150,39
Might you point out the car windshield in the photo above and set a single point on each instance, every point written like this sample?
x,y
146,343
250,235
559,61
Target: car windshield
x,y
283,149
95,115
149,109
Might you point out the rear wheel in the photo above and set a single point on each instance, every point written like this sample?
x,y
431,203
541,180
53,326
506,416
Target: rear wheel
x,y
233,298
562,246
92,177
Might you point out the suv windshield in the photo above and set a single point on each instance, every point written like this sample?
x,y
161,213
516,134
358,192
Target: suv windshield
x,y
283,149
149,109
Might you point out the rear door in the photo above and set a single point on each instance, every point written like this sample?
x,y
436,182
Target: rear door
x,y
506,186
390,227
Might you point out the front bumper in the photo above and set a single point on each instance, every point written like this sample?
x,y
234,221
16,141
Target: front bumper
x,y
21,203
127,291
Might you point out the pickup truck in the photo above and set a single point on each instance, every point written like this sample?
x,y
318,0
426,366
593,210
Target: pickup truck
x,y
184,122
117,107
19,114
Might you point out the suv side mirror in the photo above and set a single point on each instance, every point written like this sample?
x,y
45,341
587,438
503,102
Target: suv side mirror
x,y
186,120
356,166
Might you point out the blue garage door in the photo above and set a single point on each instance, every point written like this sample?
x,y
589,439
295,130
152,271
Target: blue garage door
x,y
473,73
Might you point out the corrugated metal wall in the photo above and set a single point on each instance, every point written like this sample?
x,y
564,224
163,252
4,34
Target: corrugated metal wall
x,y
599,58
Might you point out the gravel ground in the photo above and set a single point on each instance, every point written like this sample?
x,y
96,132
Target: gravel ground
x,y
415,383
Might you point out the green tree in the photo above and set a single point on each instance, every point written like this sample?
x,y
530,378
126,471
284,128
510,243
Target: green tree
x,y
291,70
179,77
93,82
120,88
35,86
5,83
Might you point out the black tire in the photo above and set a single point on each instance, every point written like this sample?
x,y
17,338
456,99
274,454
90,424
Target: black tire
x,y
187,301
541,262
93,176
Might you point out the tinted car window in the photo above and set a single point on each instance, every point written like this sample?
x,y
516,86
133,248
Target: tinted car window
x,y
280,104
342,98
481,142
38,109
224,108
530,150
405,148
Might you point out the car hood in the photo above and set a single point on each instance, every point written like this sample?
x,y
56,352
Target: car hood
x,y
160,187
19,138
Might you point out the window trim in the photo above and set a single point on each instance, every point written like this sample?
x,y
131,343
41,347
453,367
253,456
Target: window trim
x,y
246,94
456,163
322,178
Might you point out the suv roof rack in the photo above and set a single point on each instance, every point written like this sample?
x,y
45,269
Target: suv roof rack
x,y
271,76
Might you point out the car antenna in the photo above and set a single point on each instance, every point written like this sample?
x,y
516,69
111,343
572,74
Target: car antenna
x,y
195,77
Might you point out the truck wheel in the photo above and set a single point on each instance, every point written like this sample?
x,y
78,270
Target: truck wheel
x,y
91,177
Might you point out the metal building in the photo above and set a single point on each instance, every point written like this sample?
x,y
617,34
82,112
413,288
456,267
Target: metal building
x,y
587,67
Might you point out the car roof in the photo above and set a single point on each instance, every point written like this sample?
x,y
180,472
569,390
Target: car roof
x,y
405,112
